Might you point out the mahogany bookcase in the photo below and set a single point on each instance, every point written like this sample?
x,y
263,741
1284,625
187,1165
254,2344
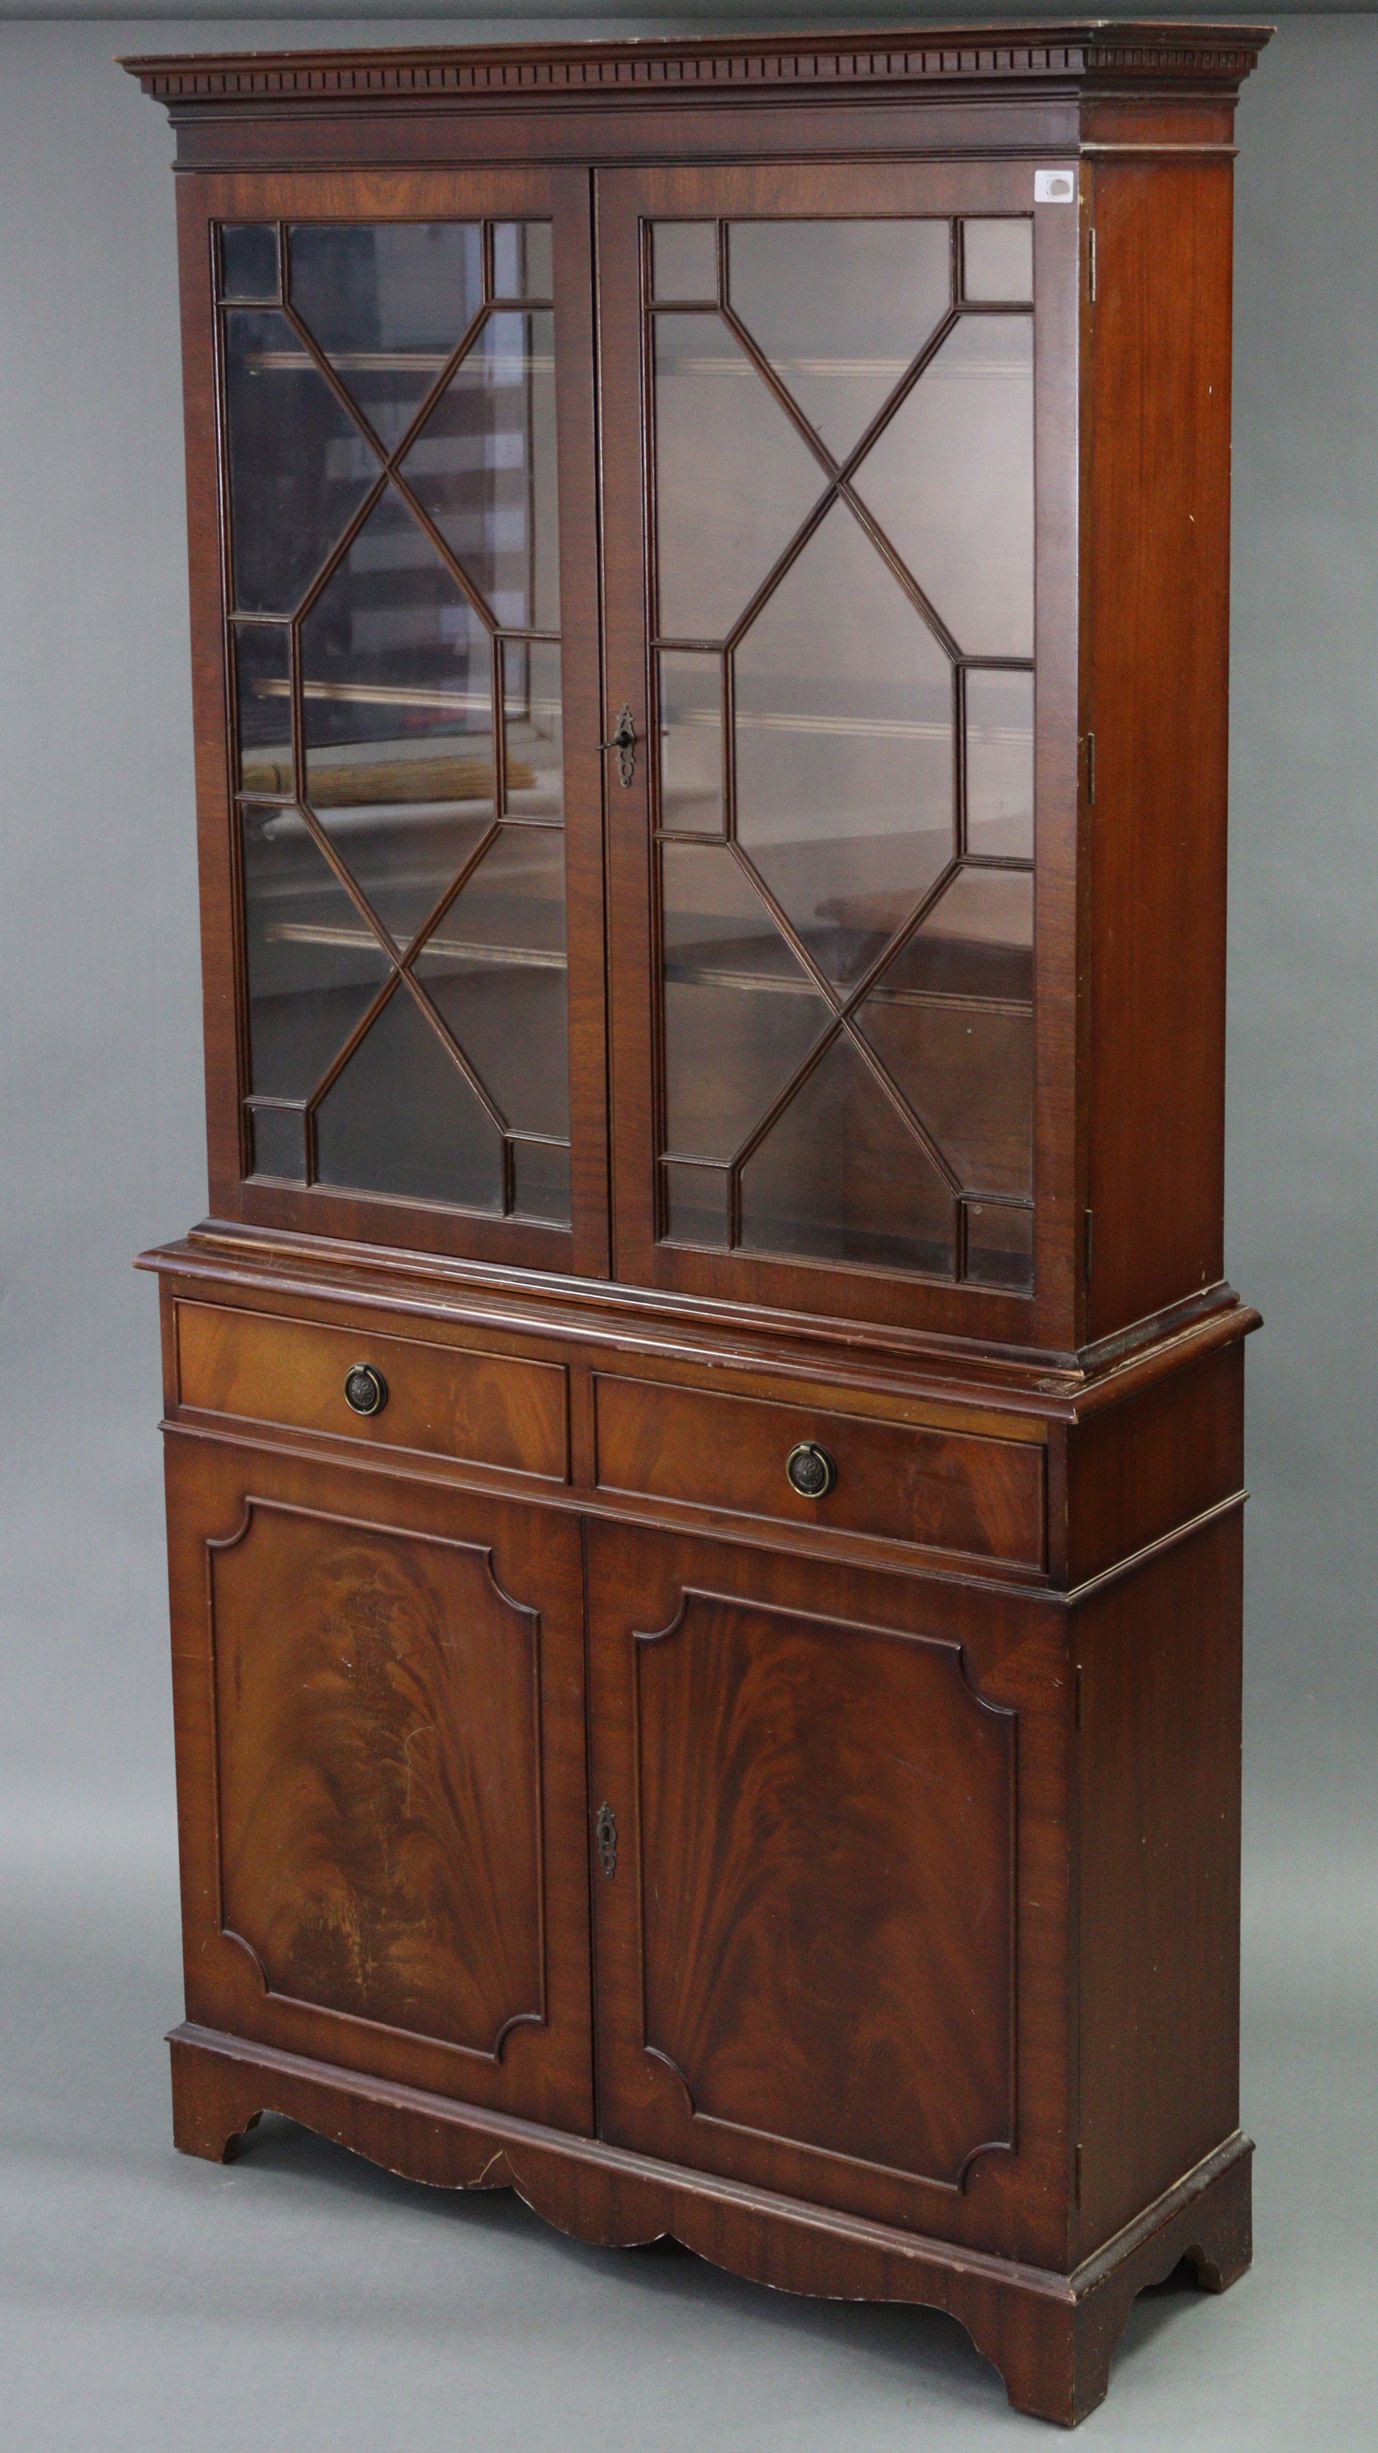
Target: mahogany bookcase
x,y
704,1422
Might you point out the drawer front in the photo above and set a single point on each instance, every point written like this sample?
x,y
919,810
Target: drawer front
x,y
902,1483
450,1401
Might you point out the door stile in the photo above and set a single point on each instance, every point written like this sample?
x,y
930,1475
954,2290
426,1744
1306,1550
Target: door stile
x,y
581,595
625,470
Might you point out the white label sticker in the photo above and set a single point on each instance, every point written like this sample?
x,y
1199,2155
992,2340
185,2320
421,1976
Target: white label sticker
x,y
1055,186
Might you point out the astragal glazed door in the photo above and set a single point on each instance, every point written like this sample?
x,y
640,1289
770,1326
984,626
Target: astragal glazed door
x,y
398,377
822,500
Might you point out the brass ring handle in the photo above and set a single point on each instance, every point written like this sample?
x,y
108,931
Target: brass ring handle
x,y
810,1470
366,1391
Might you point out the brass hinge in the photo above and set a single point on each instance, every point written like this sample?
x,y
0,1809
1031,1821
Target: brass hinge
x,y
1091,265
1091,768
1076,2174
605,1832
1087,1239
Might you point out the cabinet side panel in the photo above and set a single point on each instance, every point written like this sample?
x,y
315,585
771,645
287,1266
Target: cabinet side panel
x,y
1141,1468
1159,610
1158,1751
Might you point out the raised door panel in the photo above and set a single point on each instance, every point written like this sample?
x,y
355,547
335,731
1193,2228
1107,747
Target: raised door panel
x,y
848,837
807,1908
380,1763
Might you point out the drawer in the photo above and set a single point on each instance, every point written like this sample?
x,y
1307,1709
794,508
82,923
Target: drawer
x,y
449,1401
900,1482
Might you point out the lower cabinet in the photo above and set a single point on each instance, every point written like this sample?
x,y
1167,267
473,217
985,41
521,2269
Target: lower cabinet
x,y
871,1931
380,1717
817,1792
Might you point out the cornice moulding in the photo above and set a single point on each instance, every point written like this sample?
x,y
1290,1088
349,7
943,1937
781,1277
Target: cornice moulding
x,y
1097,53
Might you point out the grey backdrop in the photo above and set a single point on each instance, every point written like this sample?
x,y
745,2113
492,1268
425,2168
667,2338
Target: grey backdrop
x,y
147,2301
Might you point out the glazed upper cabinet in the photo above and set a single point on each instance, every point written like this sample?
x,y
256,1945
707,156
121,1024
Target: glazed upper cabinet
x,y
772,680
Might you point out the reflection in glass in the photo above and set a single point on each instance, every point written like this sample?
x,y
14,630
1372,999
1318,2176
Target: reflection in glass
x,y
263,707
976,942
249,260
840,1177
397,699
401,1119
844,749
967,1071
740,1014
388,302
522,265
717,541
951,483
999,1246
412,827
997,260
299,467
314,964
684,261
278,1142
690,743
840,308
533,732
540,1172
794,1123
1000,764
495,968
695,1204
483,467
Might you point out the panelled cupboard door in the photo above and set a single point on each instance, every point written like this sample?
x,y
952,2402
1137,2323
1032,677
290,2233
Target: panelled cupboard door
x,y
379,1695
828,1865
839,409
390,447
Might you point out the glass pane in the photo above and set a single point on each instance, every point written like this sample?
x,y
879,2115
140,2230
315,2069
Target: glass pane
x,y
999,1246
740,1014
522,260
976,942
249,260
484,468
263,696
314,964
401,1119
1000,764
997,259
397,695
533,730
388,302
840,308
299,468
696,1205
541,1180
684,261
951,483
967,1072
734,481
841,1177
844,749
690,743
278,1137
495,967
